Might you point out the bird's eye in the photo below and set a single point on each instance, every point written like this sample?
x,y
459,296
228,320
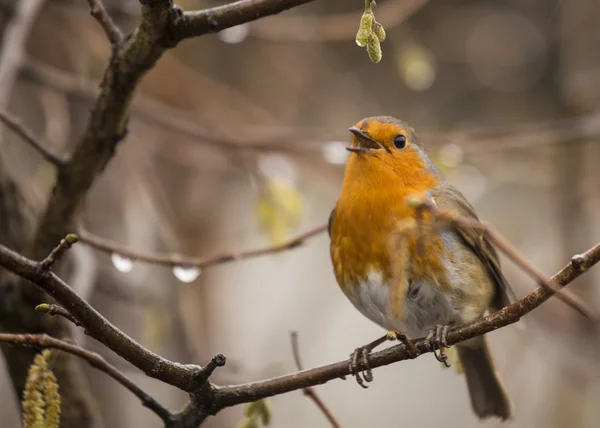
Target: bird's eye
x,y
400,141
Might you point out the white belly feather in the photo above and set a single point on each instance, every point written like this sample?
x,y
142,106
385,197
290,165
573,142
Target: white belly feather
x,y
425,306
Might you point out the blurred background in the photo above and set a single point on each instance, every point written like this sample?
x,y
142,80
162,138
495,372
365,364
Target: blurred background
x,y
237,141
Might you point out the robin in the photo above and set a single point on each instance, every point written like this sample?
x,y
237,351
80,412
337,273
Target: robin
x,y
411,282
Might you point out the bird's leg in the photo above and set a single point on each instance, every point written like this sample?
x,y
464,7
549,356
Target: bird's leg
x,y
411,349
359,359
439,343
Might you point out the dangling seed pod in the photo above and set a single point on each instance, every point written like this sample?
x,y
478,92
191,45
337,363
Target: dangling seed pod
x,y
365,29
374,48
379,31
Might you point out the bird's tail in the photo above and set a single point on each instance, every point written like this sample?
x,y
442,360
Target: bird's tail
x,y
488,395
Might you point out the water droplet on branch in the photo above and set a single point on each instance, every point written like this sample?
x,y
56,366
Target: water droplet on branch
x,y
186,273
121,263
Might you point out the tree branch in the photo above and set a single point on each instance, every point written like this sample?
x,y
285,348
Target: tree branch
x,y
197,23
108,246
97,10
44,341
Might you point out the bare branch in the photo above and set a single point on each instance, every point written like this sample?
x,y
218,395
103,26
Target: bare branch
x,y
97,10
95,360
18,128
108,246
309,391
197,23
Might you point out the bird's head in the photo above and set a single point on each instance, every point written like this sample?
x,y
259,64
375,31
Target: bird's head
x,y
383,146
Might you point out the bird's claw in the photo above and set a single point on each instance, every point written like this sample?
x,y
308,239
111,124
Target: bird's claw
x,y
361,370
439,343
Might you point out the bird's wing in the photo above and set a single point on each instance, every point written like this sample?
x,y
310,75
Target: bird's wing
x,y
330,222
448,198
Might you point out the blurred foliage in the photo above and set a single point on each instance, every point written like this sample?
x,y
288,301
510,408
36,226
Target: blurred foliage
x,y
257,414
279,209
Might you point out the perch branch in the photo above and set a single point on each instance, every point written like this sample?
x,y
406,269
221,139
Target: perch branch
x,y
310,391
44,341
110,247
233,395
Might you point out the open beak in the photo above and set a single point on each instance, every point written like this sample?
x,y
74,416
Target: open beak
x,y
365,143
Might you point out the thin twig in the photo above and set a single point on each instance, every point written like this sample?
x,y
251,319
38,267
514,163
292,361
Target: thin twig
x,y
59,251
97,10
95,360
27,135
108,246
310,391
451,219
206,372
52,310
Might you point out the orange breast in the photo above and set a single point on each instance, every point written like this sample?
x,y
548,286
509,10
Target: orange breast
x,y
369,231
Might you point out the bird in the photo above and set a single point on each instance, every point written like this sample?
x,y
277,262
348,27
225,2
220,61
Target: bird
x,y
411,281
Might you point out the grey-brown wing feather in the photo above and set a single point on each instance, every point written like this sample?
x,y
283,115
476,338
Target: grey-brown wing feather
x,y
449,198
330,222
